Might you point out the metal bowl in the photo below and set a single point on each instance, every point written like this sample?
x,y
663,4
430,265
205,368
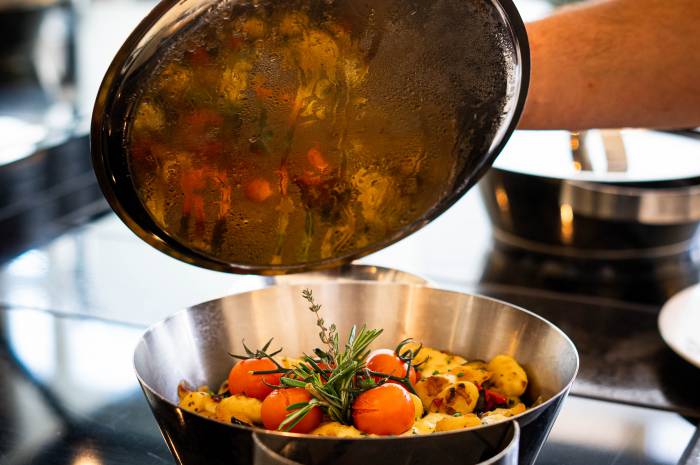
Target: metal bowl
x,y
349,272
193,344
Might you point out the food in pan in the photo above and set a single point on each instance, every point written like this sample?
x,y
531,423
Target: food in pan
x,y
295,132
349,390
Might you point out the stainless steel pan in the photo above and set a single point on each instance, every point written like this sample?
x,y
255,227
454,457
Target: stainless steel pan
x,y
645,203
193,344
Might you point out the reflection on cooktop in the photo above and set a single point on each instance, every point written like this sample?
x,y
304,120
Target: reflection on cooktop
x,y
648,281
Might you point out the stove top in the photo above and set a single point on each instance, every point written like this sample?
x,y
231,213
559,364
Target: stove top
x,y
63,404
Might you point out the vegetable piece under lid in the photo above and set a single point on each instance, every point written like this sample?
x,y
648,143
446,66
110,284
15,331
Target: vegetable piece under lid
x,y
272,137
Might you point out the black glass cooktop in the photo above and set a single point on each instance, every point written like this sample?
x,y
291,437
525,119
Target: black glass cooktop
x,y
71,312
70,397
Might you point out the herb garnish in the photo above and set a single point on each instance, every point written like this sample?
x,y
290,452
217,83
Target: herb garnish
x,y
334,377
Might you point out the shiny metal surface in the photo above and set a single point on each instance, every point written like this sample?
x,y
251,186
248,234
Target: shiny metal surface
x,y
613,150
349,272
168,19
628,194
193,344
507,451
591,220
509,454
653,206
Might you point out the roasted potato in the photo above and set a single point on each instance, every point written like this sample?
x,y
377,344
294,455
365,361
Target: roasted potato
x,y
460,397
336,430
474,372
507,412
433,361
199,402
428,388
426,425
245,409
418,405
507,376
457,422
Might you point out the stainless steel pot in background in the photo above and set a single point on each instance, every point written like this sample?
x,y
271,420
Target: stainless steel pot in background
x,y
547,196
193,345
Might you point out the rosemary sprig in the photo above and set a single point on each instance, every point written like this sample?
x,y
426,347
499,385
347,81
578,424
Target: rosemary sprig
x,y
335,387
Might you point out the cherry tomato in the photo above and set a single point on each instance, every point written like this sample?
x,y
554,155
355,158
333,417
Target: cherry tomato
x,y
274,410
386,361
386,409
241,381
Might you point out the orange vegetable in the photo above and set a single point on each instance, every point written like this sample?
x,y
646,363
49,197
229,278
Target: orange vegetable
x,y
384,410
242,381
274,410
386,361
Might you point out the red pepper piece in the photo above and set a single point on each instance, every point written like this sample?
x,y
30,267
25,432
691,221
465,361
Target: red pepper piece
x,y
494,399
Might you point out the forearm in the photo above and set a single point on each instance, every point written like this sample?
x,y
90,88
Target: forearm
x,y
616,63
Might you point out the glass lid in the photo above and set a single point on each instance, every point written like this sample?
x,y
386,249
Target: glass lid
x,y
279,136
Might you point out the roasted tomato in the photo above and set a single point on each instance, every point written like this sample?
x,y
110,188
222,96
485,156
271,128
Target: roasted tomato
x,y
387,362
386,409
274,410
242,381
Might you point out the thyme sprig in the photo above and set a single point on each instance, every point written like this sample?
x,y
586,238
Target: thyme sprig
x,y
328,336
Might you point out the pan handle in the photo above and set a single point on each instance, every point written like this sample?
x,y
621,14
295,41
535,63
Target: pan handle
x,y
654,206
691,456
265,454
509,454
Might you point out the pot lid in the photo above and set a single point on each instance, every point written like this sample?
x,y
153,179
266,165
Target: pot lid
x,y
608,156
273,137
